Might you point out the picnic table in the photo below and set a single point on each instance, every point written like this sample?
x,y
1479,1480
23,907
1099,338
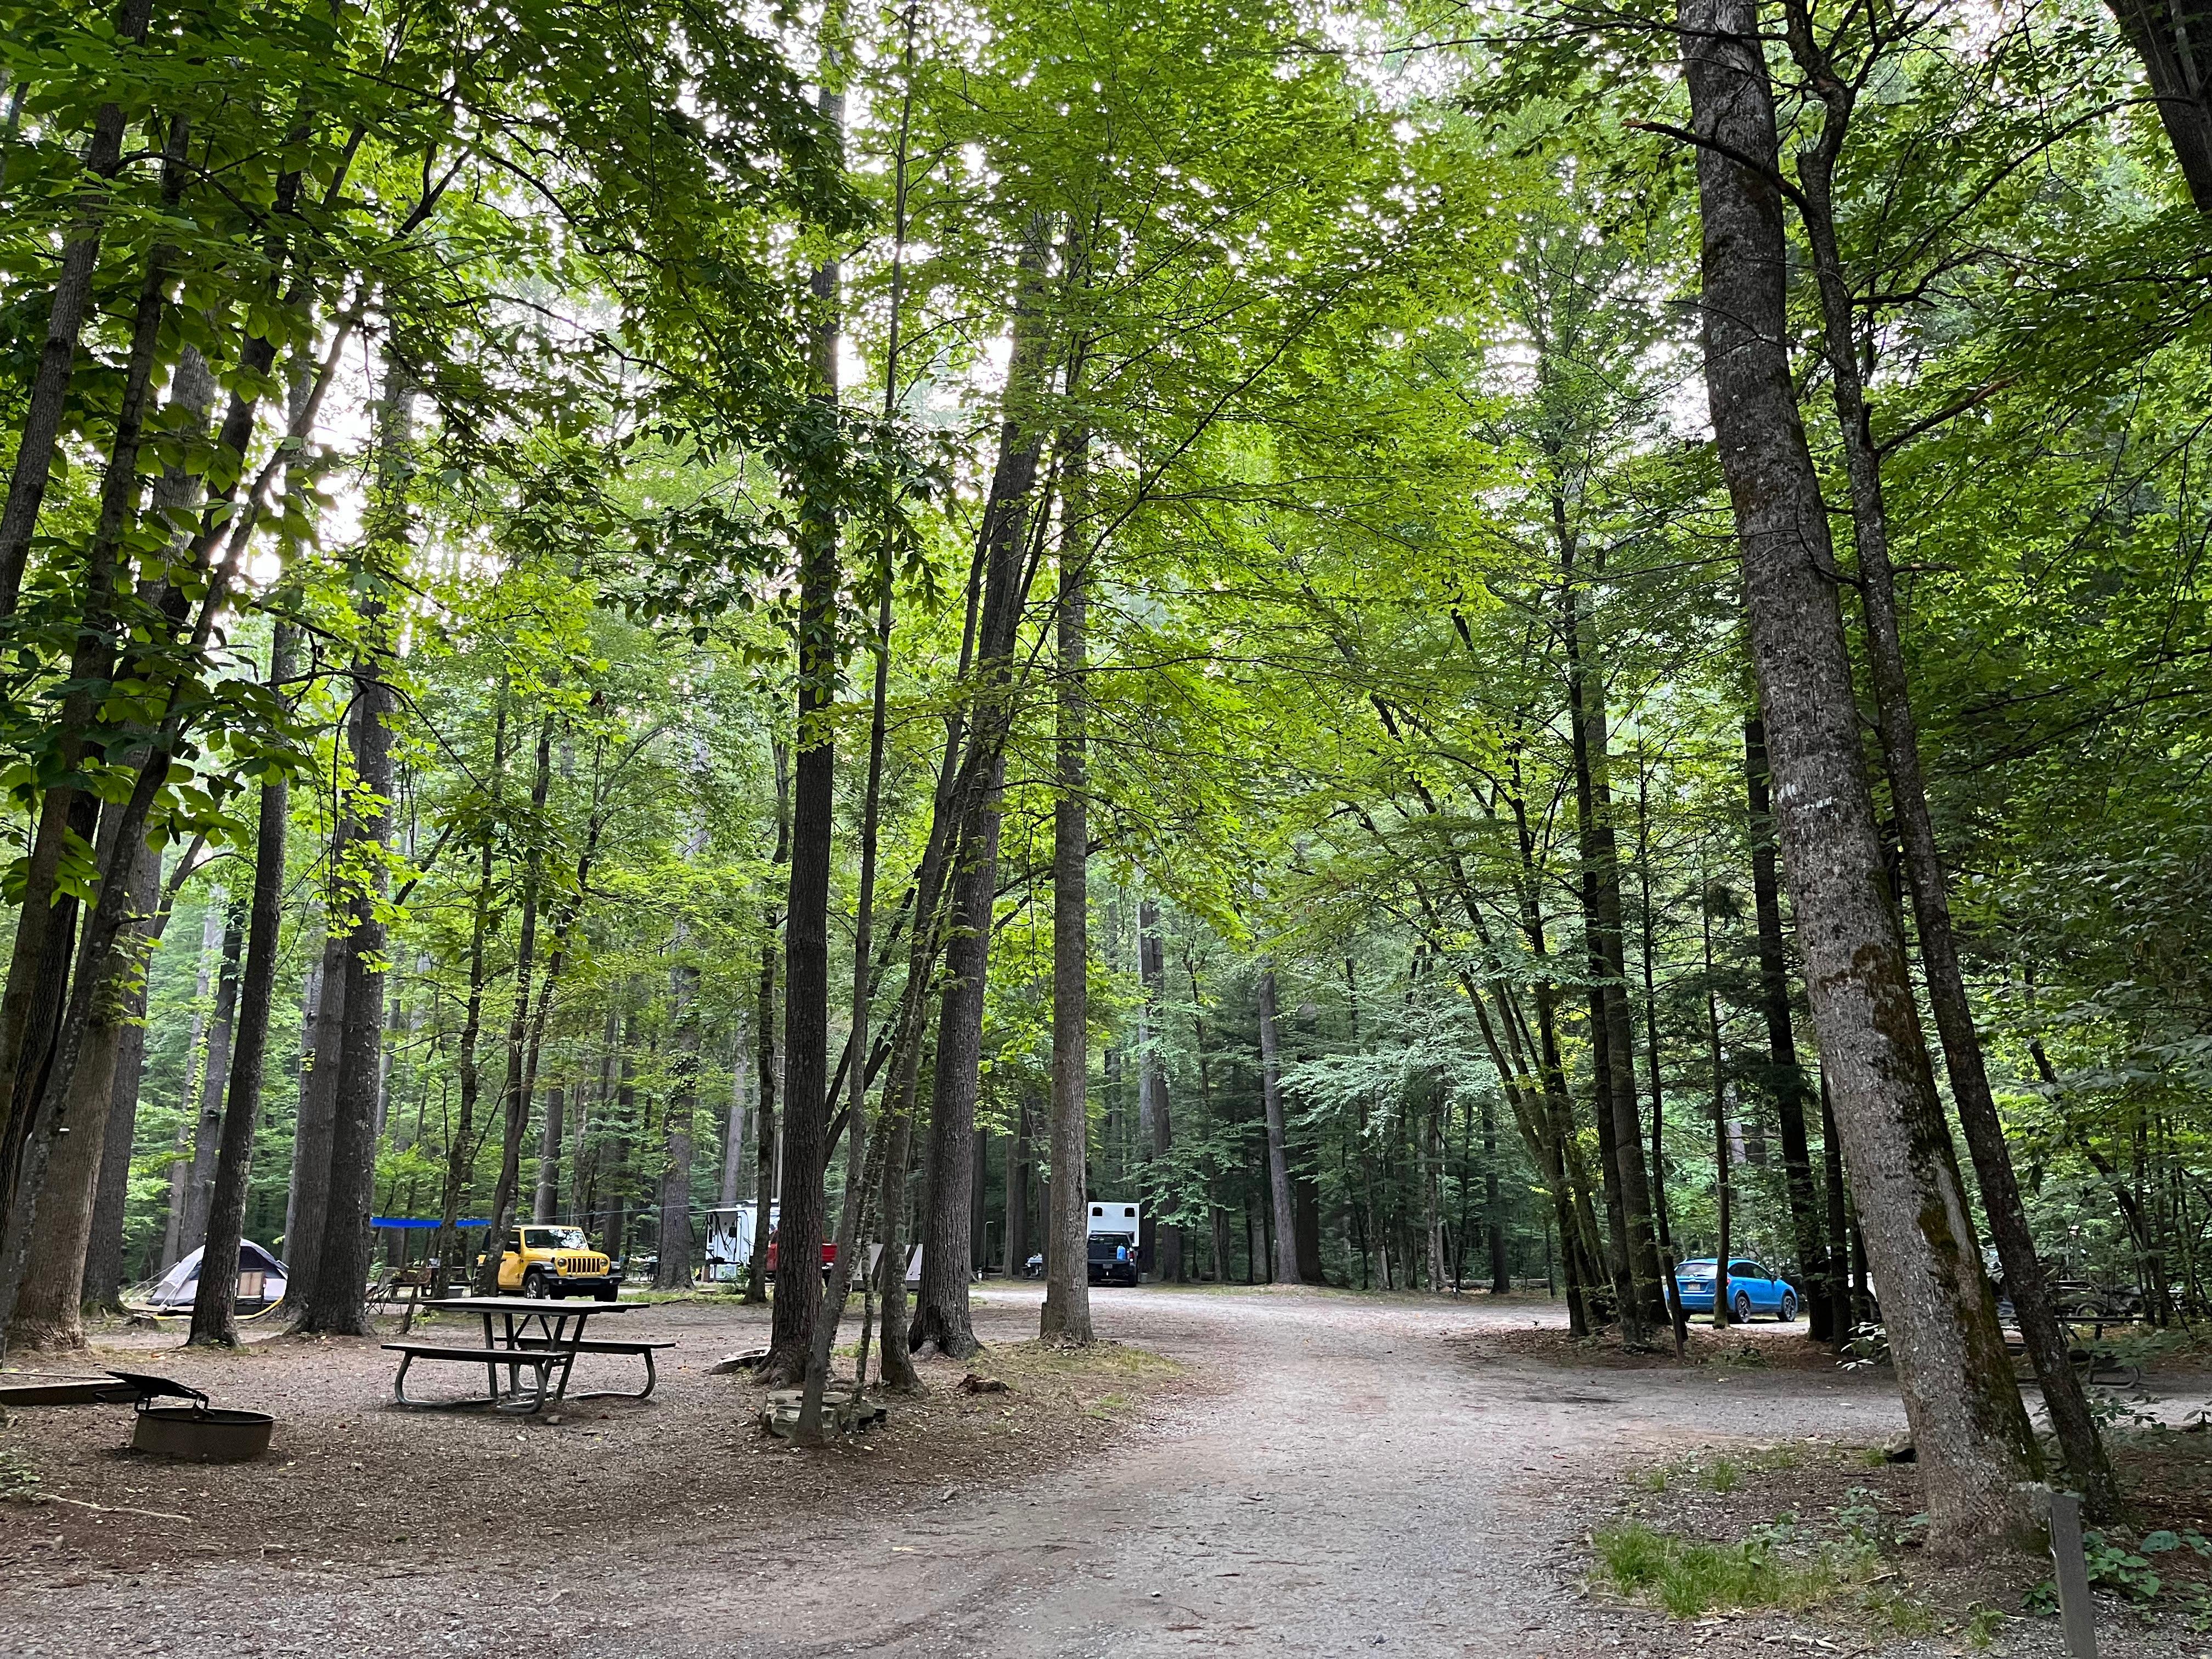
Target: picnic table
x,y
520,1333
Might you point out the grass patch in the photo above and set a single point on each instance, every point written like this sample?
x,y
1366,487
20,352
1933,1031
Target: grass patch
x,y
1688,1577
1107,1362
18,1480
1898,1615
1723,1476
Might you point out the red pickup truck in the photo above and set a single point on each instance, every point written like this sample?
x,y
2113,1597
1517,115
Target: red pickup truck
x,y
828,1256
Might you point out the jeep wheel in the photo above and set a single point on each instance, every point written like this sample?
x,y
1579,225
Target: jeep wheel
x,y
533,1283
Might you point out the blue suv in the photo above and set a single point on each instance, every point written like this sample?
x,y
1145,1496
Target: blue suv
x,y
1751,1289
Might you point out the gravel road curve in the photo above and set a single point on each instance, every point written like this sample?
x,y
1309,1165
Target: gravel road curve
x,y
1366,1475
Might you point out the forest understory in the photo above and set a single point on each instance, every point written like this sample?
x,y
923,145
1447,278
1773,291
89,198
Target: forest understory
x,y
1313,1472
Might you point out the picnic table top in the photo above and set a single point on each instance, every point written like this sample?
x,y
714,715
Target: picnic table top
x,y
529,1304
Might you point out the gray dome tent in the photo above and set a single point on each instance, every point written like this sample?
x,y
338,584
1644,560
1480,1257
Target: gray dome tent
x,y
260,1281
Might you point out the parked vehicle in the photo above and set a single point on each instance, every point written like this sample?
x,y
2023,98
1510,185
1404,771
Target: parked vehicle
x,y
828,1257
556,1262
1751,1289
1114,1255
730,1240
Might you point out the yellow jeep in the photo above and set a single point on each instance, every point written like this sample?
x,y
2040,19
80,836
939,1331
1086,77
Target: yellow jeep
x,y
556,1262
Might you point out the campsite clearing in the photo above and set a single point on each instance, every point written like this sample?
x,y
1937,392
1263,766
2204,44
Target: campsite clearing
x,y
1308,1471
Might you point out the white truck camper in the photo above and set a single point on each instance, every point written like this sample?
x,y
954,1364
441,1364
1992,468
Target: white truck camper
x,y
1114,1227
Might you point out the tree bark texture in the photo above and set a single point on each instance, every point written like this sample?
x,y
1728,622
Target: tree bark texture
x,y
545,1201
66,311
514,1091
1160,1195
768,1164
1614,1036
215,1306
1970,1431
1785,1076
2173,37
49,1312
337,1305
214,1081
1278,1161
317,1116
1067,1315
679,1134
2047,1342
941,1312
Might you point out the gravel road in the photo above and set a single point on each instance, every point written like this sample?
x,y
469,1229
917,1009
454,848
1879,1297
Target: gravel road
x,y
1361,1475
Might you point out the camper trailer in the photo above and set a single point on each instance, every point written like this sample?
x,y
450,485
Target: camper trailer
x,y
730,1240
1114,1229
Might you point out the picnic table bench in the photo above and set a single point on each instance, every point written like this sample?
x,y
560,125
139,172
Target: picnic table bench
x,y
542,1338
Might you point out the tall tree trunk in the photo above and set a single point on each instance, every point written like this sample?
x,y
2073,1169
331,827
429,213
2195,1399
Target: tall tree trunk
x,y
1160,1193
1580,1243
49,1313
1723,1147
206,1130
1785,1077
979,1215
214,1307
1613,1034
672,1240
806,1082
546,1200
43,1012
66,311
1067,1315
515,1091
941,1317
1493,1203
1838,1238
1961,1401
319,1092
895,1362
1018,1191
1217,1213
733,1128
768,1129
2173,37
198,1054
673,1264
1581,1246
1678,1317
107,1239
192,391
1433,1159
617,1243
850,1231
461,1144
1285,1270
2047,1341
338,1304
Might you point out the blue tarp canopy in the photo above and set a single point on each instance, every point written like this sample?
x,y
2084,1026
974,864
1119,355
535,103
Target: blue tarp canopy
x,y
406,1222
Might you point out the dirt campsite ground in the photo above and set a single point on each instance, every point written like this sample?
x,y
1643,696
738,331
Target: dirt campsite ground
x,y
1288,1472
